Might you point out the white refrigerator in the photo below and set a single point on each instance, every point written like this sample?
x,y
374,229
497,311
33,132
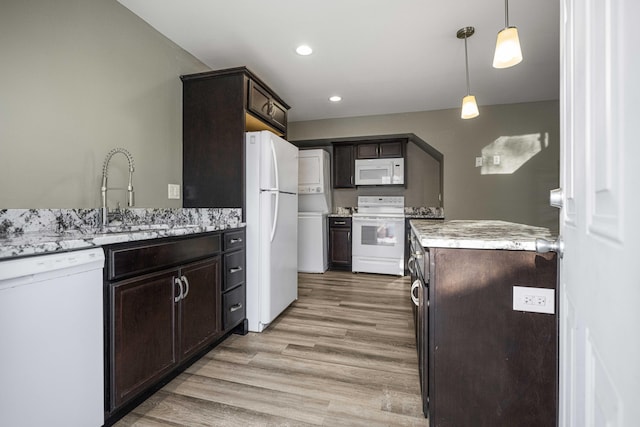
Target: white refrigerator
x,y
271,187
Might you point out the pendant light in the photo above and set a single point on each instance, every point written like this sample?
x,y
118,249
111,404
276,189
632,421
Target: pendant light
x,y
469,106
508,51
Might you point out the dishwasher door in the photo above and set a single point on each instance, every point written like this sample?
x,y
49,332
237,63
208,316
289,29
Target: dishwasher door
x,y
51,340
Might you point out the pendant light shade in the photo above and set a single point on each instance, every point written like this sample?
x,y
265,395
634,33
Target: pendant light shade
x,y
508,52
469,106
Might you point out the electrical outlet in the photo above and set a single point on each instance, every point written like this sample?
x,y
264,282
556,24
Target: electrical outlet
x,y
478,162
173,191
496,160
536,300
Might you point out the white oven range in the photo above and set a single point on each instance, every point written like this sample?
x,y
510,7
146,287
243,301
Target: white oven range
x,y
378,235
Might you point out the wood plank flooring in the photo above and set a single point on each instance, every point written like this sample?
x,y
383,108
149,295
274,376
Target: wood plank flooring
x,y
343,354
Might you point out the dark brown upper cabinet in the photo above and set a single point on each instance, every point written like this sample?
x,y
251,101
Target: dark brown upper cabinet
x,y
343,166
379,150
262,103
218,108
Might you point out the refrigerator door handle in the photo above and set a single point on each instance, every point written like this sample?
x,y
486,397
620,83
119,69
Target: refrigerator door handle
x,y
276,173
275,217
275,169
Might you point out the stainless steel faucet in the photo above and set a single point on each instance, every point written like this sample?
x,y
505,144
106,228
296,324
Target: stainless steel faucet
x,y
105,211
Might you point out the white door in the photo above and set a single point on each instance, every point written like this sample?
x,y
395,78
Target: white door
x,y
310,171
279,164
278,256
600,220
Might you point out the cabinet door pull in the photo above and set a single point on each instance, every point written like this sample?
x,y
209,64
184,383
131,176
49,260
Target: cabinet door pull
x,y
348,235
238,240
270,108
340,222
235,269
186,283
414,286
178,282
235,307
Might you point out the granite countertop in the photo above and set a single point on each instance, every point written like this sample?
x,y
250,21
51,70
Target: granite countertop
x,y
479,234
42,231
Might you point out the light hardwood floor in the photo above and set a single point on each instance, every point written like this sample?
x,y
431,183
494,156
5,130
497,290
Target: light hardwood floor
x,y
343,354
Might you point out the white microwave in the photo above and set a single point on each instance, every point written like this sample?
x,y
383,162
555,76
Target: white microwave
x,y
380,171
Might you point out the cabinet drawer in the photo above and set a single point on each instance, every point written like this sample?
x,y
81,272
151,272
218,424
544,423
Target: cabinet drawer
x,y
233,306
136,259
340,222
233,240
234,266
261,103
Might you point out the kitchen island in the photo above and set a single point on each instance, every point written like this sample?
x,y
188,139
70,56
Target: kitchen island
x,y
486,323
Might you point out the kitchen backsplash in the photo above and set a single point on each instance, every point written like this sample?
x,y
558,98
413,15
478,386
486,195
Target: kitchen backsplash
x,y
431,212
20,221
428,212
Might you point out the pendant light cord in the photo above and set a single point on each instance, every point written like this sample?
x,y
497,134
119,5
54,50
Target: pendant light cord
x,y
506,13
466,63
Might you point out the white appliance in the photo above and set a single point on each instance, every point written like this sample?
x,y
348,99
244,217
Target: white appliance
x,y
271,185
51,330
314,204
314,181
312,242
378,235
380,171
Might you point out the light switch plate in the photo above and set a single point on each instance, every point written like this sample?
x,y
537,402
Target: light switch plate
x,y
478,162
536,300
174,191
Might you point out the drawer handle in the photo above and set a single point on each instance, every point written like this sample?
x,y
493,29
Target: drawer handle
x,y
235,269
340,222
238,240
235,307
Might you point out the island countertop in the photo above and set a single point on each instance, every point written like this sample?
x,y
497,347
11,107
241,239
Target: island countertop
x,y
479,234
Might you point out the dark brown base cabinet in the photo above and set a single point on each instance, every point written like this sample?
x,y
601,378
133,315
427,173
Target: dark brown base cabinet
x,y
487,365
164,305
340,243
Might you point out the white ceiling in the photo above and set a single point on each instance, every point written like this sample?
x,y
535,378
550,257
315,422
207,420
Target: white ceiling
x,y
381,56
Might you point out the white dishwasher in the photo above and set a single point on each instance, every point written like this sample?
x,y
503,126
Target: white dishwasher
x,y
51,340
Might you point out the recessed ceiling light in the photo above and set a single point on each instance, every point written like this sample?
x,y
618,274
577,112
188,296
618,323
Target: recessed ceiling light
x,y
335,98
304,50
